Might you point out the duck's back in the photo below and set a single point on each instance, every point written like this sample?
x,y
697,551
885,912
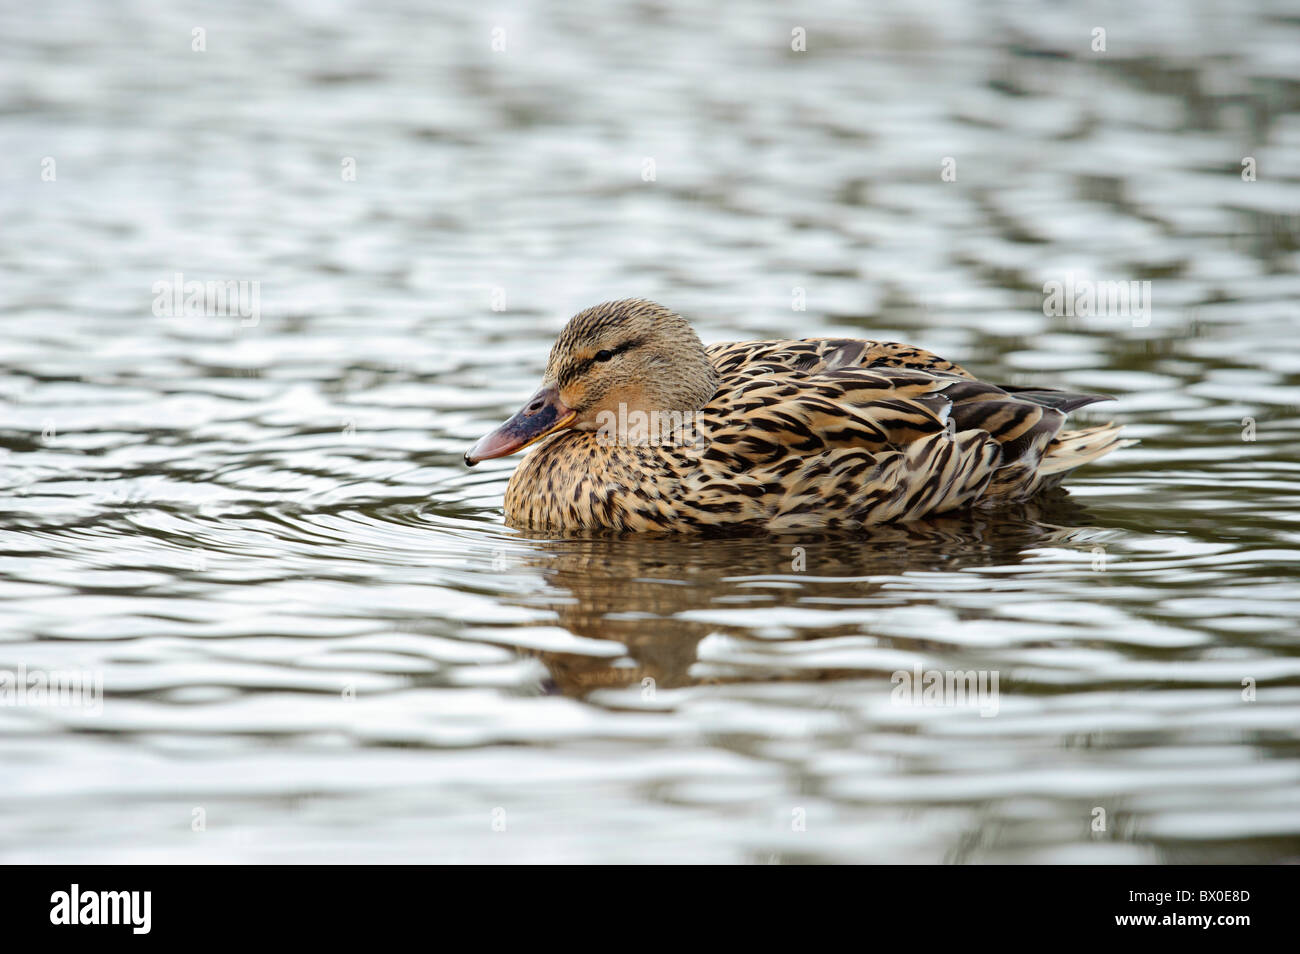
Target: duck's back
x,y
816,355
823,432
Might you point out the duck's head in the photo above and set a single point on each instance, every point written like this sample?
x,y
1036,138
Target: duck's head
x,y
631,352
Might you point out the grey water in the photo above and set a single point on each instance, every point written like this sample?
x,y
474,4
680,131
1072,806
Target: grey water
x,y
318,641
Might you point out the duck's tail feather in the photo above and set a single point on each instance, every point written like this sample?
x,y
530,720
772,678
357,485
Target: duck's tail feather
x,y
1063,401
1072,449
1026,423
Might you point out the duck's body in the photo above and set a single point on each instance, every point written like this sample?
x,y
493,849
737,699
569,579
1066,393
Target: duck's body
x,y
817,433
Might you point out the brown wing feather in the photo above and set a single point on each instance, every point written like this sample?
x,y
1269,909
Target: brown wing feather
x,y
869,432
826,354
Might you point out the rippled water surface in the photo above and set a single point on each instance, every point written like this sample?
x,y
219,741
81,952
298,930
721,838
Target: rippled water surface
x,y
319,641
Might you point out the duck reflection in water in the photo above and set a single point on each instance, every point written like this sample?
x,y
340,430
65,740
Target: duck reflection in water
x,y
643,591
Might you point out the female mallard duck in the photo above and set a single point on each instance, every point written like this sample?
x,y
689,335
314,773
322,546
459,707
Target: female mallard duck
x,y
644,428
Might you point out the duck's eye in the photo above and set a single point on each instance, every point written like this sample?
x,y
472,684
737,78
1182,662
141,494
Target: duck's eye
x,y
604,355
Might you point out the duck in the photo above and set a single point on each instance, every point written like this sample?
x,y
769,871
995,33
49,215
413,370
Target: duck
x,y
638,426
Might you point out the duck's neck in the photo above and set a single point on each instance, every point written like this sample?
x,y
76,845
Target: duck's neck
x,y
689,384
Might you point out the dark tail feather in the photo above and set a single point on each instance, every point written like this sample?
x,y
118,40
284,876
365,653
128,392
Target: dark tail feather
x,y
1064,401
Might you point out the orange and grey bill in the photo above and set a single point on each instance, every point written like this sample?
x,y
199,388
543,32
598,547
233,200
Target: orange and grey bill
x,y
544,413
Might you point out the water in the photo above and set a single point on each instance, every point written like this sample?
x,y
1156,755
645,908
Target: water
x,y
317,639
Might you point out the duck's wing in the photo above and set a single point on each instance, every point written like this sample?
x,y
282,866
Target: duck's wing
x,y
813,355
871,432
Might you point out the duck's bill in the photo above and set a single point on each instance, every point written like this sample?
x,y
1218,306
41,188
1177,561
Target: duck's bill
x,y
544,413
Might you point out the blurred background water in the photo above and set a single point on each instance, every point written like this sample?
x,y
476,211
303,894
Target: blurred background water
x,y
314,630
